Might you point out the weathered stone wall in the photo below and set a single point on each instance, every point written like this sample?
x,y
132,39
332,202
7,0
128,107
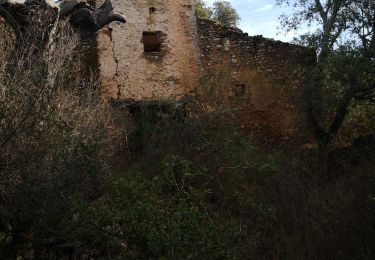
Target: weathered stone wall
x,y
266,78
128,73
270,74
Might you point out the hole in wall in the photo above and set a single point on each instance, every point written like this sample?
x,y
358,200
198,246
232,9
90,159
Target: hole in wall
x,y
151,41
239,90
152,10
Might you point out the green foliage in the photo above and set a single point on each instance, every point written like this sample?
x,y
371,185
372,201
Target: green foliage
x,y
347,71
142,218
196,191
225,14
271,165
202,10
221,12
343,33
172,202
360,120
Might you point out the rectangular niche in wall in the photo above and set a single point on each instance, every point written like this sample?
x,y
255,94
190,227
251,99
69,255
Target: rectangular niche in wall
x,y
152,10
239,90
151,41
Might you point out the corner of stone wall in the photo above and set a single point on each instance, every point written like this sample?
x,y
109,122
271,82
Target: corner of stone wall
x,y
267,81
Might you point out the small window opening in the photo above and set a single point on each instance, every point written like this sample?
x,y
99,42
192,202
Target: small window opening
x,y
152,10
151,41
239,90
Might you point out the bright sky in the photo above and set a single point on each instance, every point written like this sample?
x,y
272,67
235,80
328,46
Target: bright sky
x,y
260,17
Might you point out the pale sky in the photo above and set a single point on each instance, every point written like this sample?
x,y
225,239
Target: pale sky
x,y
260,17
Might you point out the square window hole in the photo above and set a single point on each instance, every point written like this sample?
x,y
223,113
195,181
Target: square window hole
x,y
239,90
151,41
152,10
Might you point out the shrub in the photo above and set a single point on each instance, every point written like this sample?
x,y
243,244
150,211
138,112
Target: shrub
x,y
55,140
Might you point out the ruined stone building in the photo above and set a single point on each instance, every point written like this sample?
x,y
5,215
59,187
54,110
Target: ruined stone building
x,y
164,50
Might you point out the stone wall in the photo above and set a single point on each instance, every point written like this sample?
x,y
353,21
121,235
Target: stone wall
x,y
266,78
128,73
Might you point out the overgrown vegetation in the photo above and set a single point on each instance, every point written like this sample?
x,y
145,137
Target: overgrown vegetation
x,y
197,191
184,183
343,33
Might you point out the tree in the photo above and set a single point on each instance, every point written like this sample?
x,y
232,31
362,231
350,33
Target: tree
x,y
202,10
225,14
361,22
222,12
344,39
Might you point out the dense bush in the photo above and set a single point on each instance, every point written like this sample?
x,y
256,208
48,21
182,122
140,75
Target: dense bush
x,y
185,197
196,191
56,138
191,190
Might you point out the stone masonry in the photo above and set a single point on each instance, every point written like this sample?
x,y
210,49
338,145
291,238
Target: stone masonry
x,y
266,77
128,72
